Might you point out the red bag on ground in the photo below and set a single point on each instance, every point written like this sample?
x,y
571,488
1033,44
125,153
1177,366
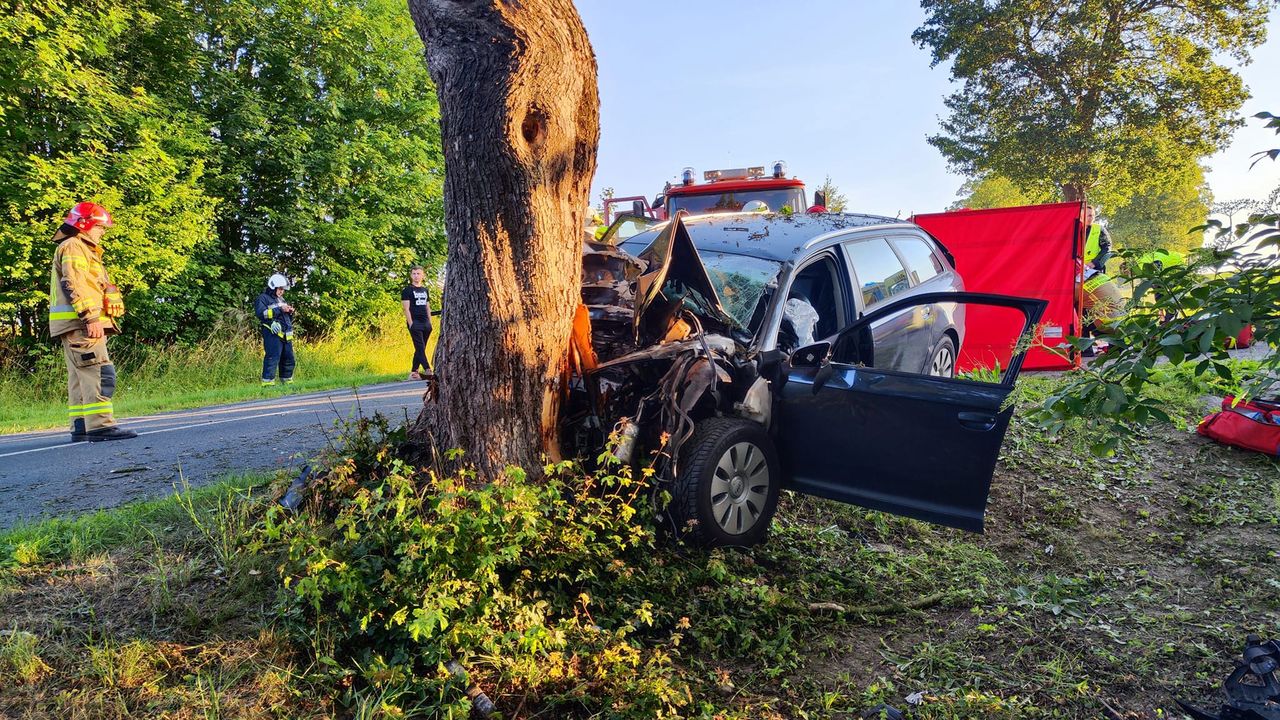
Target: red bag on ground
x,y
1252,425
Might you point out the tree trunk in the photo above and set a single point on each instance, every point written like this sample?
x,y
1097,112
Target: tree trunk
x,y
1073,192
519,125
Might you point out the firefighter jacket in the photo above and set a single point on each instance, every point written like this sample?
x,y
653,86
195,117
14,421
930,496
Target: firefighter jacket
x,y
80,290
270,312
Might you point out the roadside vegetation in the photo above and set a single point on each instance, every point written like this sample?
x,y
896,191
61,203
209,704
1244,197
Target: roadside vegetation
x,y
1103,587
224,367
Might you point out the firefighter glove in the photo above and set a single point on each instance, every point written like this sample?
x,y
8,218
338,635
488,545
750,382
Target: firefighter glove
x,y
276,328
112,302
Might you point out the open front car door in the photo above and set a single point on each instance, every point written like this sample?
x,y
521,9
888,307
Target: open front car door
x,y
915,441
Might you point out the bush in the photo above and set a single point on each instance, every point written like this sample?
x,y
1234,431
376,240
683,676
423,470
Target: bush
x,y
395,570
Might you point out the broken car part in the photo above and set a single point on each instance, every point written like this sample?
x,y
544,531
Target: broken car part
x,y
1252,691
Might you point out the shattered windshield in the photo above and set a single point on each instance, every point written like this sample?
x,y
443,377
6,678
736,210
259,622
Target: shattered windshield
x,y
740,281
731,201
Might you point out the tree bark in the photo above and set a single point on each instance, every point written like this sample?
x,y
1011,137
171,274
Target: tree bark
x,y
1073,192
519,123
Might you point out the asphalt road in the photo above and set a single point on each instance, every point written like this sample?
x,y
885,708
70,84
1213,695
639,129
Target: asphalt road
x,y
44,474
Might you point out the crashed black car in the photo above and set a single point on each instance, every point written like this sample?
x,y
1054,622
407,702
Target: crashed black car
x,y
747,353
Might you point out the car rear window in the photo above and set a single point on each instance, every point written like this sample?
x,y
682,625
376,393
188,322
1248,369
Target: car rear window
x,y
924,265
880,272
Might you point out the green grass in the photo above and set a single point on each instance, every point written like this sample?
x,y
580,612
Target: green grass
x,y
77,539
225,368
1102,585
155,609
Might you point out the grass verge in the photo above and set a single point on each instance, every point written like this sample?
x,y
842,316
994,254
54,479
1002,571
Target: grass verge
x,y
225,368
155,609
1103,587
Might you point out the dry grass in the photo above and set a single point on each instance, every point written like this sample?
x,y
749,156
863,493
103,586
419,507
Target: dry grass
x,y
154,626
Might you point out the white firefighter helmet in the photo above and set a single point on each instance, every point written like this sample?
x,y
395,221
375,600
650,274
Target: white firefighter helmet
x,y
277,281
756,206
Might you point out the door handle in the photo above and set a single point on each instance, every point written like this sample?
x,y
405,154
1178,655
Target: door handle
x,y
977,420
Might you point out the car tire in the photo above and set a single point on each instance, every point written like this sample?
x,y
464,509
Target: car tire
x,y
942,360
727,489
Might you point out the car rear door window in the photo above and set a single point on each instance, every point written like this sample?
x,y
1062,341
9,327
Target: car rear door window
x,y
921,261
879,272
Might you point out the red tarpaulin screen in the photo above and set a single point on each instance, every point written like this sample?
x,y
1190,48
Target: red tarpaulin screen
x,y
1025,251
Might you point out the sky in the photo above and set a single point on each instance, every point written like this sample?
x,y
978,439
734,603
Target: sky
x,y
832,88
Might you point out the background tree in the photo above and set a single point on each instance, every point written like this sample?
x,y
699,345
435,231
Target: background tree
x,y
86,117
1089,95
996,191
836,200
519,125
328,147
232,139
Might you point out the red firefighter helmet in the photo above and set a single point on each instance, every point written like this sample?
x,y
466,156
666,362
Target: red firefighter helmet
x,y
86,215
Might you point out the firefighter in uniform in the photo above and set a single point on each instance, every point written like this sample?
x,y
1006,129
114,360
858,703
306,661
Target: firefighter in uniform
x,y
84,309
276,319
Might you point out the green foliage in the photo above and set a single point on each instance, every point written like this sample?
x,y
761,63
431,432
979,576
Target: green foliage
x,y
996,191
328,146
82,121
836,200
1160,210
153,378
396,571
1097,95
230,140
1188,316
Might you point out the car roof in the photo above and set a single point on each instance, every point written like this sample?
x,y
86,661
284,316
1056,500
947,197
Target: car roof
x,y
774,236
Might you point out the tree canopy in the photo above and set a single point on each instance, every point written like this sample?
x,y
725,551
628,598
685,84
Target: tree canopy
x,y
231,139
1093,95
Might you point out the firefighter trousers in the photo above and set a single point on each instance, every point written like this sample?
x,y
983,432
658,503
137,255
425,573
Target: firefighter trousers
x,y
91,381
277,354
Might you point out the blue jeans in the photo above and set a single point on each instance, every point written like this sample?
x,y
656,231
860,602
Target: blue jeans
x,y
278,353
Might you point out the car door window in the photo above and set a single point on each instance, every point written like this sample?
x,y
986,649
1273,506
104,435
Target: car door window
x,y
880,274
922,263
813,307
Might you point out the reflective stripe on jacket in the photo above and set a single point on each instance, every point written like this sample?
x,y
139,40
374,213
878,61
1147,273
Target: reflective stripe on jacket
x,y
77,285
270,309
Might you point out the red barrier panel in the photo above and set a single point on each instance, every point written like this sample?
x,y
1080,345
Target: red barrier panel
x,y
1025,251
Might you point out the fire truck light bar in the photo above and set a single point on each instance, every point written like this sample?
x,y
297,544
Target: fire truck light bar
x,y
733,174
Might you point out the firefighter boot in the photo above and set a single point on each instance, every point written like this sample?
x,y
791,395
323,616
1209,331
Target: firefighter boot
x,y
77,431
111,433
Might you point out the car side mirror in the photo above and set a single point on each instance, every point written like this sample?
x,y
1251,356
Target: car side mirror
x,y
814,355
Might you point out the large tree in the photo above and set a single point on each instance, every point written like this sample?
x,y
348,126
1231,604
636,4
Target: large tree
x,y
1090,94
519,125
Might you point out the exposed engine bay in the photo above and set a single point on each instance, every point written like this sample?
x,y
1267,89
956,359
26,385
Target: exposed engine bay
x,y
655,351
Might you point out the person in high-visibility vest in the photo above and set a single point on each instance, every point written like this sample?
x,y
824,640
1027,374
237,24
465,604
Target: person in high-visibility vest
x,y
275,316
1103,303
84,309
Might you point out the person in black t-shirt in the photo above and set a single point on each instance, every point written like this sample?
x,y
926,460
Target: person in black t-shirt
x,y
417,315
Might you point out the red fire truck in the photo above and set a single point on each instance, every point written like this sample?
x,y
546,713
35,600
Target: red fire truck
x,y
727,190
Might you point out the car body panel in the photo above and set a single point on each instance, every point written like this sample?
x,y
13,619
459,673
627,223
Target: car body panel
x,y
904,442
